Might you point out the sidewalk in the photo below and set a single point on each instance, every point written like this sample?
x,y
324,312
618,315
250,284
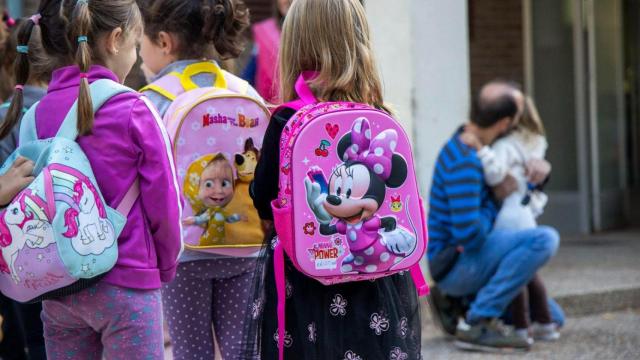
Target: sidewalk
x,y
596,279
598,337
596,273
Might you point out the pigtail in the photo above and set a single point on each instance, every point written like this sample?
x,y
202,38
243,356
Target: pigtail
x,y
81,26
224,24
21,66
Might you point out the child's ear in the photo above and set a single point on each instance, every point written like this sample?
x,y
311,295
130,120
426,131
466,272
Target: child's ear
x,y
113,41
167,42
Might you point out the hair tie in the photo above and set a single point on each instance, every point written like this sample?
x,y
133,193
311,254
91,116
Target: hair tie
x,y
22,49
83,2
20,87
84,75
82,38
8,19
36,19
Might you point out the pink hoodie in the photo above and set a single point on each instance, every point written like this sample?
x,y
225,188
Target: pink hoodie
x,y
128,141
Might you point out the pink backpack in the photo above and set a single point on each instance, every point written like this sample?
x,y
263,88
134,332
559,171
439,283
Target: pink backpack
x,y
204,122
348,208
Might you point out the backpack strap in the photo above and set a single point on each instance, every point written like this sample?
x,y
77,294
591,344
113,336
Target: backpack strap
x,y
278,267
160,90
126,204
28,131
305,95
101,91
175,83
418,280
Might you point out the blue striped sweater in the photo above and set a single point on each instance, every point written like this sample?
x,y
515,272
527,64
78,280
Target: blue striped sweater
x,y
461,207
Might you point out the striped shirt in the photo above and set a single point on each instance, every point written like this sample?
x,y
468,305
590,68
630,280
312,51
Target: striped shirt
x,y
461,208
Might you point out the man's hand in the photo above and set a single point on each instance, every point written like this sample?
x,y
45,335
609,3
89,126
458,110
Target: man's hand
x,y
16,179
538,170
505,188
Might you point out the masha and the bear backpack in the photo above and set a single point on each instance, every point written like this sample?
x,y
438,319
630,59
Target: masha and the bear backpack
x,y
217,134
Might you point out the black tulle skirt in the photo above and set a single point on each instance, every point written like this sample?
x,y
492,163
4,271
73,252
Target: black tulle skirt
x,y
366,320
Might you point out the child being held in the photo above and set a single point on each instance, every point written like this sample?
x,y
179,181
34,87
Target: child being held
x,y
510,156
215,192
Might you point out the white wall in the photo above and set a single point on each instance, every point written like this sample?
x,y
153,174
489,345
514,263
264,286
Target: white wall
x,y
441,72
391,33
422,48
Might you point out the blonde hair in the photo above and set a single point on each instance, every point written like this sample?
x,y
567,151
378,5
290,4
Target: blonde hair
x,y
530,120
332,38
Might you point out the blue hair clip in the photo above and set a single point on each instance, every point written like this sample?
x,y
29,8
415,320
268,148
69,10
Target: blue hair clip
x,y
82,38
83,1
22,49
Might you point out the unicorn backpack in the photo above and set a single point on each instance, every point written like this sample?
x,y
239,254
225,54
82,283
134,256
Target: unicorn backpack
x,y
212,128
348,207
58,236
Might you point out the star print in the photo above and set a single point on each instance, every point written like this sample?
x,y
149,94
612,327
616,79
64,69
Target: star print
x,y
305,161
40,257
85,268
68,149
19,268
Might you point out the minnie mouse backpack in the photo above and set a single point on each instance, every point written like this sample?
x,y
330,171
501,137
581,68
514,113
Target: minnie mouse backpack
x,y
58,236
348,207
205,123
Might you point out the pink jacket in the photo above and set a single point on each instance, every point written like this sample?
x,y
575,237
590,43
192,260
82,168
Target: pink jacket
x,y
266,34
128,141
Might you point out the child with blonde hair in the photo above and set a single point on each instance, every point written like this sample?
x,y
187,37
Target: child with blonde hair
x,y
375,319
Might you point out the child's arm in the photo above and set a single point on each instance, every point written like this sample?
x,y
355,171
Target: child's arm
x,y
159,189
264,187
494,165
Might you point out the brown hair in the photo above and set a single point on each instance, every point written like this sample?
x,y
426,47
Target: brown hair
x,y
62,24
7,52
203,27
332,38
530,120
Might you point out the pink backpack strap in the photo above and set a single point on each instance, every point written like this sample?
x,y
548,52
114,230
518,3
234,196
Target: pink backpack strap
x,y
305,95
129,199
278,269
418,280
168,86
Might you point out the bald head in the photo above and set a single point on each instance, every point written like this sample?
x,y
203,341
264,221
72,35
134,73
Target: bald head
x,y
496,101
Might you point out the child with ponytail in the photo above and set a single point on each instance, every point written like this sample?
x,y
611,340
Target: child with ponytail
x,y
120,316
209,289
23,319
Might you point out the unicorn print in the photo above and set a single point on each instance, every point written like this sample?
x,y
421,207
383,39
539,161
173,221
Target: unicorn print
x,y
19,227
86,220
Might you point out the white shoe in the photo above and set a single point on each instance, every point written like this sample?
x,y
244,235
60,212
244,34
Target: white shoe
x,y
545,332
524,334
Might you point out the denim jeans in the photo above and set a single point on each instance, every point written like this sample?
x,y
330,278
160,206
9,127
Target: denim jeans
x,y
499,269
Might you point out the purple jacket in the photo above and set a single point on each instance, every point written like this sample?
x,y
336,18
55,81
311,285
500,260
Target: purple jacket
x,y
128,141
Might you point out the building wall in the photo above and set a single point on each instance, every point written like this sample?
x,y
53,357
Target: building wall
x,y
428,83
495,41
